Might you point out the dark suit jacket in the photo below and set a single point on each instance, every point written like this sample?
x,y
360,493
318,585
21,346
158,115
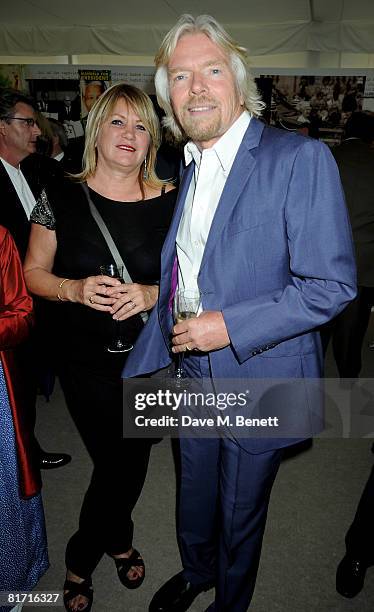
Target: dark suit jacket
x,y
41,170
12,214
38,170
14,218
68,114
355,160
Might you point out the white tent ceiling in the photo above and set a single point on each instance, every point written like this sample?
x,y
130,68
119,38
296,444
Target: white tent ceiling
x,y
136,27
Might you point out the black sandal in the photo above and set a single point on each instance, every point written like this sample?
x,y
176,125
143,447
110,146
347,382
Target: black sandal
x,y
124,565
78,588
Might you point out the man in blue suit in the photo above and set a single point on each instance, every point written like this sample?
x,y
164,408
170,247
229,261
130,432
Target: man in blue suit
x,y
261,230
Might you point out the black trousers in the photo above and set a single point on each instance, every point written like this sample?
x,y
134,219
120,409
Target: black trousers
x,y
347,331
360,536
120,467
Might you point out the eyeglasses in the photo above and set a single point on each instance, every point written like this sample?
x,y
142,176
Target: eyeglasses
x,y
30,122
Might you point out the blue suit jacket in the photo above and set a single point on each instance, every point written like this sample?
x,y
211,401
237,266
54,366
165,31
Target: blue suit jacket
x,y
278,263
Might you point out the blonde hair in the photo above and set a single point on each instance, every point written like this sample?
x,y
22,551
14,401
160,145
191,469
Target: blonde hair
x,y
101,110
237,55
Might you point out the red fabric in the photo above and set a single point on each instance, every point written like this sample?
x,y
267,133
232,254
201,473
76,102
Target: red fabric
x,y
15,323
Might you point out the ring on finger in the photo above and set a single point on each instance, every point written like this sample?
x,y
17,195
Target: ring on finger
x,y
133,305
91,300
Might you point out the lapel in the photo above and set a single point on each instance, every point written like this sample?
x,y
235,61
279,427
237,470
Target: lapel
x,y
237,180
168,252
241,171
11,201
168,255
12,214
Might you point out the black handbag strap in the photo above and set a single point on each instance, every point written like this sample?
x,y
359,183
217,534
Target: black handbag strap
x,y
110,242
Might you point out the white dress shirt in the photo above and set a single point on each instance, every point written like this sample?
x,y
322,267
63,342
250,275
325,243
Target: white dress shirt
x,y
212,167
21,186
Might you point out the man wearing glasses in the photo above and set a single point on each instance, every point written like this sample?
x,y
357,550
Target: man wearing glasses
x,y
18,135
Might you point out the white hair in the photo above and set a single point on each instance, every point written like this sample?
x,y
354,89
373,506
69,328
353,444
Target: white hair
x,y
237,55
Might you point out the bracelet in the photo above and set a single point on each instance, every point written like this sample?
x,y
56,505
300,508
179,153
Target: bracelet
x,y
60,287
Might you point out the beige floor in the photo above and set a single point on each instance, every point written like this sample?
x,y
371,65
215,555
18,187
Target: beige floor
x,y
313,502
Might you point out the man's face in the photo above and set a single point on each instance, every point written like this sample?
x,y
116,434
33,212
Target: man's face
x,y
18,139
203,91
91,94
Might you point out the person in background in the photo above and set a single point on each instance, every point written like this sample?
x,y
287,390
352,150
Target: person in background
x,y
18,137
170,153
68,155
23,544
359,541
45,105
60,140
55,154
92,91
44,140
355,159
66,252
68,111
41,169
262,232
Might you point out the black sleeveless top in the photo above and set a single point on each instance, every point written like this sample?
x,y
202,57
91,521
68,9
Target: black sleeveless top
x,y
138,230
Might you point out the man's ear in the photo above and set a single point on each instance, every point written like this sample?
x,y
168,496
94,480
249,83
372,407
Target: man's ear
x,y
2,126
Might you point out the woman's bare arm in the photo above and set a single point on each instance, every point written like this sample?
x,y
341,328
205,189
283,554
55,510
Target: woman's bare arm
x,y
41,281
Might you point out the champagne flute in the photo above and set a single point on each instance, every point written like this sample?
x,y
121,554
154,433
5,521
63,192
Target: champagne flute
x,y
118,344
186,305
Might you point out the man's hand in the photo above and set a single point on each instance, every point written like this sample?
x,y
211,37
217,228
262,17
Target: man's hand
x,y
207,332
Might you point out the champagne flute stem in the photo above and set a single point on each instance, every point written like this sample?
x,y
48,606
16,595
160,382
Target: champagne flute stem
x,y
118,329
179,370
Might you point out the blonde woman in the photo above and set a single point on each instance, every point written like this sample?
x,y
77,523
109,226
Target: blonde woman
x,y
65,253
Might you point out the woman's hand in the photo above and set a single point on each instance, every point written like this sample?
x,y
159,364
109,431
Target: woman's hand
x,y
130,299
93,291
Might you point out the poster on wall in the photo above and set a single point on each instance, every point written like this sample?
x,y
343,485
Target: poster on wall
x,y
318,106
140,76
12,75
313,104
368,104
93,83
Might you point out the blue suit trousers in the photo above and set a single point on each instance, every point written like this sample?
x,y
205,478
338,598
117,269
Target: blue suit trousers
x,y
224,497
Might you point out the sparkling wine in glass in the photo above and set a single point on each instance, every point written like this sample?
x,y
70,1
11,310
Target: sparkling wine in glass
x,y
118,343
186,306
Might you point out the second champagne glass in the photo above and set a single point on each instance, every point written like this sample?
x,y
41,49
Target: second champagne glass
x,y
186,306
118,344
